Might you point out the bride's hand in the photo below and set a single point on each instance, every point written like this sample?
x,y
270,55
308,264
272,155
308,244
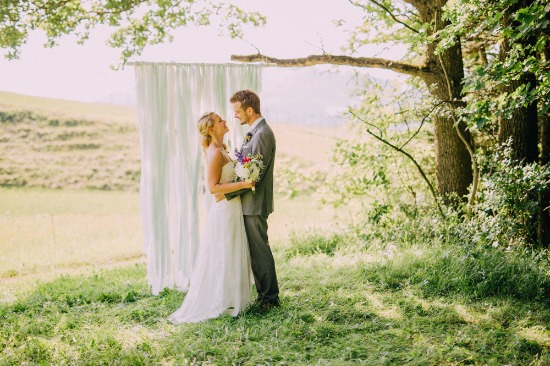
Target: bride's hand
x,y
248,185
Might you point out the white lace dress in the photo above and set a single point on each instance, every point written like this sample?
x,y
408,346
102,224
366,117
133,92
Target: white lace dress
x,y
221,280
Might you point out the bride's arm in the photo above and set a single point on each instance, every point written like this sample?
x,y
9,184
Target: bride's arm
x,y
214,173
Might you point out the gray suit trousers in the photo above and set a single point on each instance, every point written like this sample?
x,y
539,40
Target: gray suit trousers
x,y
261,258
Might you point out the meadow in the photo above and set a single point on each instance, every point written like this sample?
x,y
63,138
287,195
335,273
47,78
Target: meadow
x,y
73,287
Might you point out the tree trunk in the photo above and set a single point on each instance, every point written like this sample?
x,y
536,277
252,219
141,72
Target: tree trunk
x,y
452,159
522,127
543,234
544,139
544,199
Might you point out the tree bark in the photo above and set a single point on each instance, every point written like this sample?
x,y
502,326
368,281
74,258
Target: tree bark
x,y
452,159
522,127
373,62
543,234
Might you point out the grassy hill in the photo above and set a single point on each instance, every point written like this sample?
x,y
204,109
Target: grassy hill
x,y
53,143
61,144
60,108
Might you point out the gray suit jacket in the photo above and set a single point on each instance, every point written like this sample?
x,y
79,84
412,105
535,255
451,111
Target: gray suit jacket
x,y
260,202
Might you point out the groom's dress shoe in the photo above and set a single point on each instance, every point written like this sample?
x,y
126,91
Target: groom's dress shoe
x,y
262,307
268,304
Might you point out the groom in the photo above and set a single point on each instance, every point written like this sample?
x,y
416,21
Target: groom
x,y
259,204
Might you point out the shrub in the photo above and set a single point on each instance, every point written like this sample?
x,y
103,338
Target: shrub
x,y
506,213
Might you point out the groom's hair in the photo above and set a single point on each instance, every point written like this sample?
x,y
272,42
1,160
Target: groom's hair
x,y
248,99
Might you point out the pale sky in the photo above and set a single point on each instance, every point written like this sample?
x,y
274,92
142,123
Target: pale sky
x,y
82,72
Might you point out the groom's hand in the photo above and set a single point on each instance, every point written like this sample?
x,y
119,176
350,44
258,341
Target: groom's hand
x,y
219,197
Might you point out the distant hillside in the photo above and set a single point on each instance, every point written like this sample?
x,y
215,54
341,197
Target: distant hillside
x,y
54,143
306,96
67,108
37,150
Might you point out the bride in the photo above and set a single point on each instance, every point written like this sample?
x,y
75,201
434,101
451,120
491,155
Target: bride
x,y
221,279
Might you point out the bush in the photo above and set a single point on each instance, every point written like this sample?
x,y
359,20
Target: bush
x,y
506,212
436,261
507,208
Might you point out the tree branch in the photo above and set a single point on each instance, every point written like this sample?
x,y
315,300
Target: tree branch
x,y
422,123
469,147
420,170
371,62
387,11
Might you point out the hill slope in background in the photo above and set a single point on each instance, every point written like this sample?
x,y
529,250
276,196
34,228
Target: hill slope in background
x,y
53,143
37,150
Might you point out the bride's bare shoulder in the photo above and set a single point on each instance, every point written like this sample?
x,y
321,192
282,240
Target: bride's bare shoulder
x,y
214,154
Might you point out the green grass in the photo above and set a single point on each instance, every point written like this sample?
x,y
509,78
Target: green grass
x,y
331,314
347,299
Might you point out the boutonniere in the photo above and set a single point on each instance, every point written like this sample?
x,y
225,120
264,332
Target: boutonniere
x,y
247,137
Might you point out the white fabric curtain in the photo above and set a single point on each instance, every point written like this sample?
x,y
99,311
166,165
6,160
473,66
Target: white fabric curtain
x,y
171,98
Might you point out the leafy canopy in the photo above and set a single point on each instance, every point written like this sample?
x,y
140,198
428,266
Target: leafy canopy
x,y
135,23
524,28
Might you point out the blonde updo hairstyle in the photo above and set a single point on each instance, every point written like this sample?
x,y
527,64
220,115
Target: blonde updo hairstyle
x,y
206,122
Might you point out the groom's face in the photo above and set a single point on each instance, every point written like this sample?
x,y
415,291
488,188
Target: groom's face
x,y
240,114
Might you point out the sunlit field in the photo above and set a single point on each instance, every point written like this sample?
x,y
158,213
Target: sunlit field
x,y
43,229
89,154
49,229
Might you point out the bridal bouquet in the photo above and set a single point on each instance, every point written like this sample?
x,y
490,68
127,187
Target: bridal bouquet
x,y
249,167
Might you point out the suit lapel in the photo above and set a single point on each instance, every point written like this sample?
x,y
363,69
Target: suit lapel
x,y
261,123
258,126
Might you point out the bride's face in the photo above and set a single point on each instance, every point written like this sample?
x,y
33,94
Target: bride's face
x,y
219,128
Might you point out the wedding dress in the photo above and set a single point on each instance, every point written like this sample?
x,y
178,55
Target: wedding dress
x,y
221,280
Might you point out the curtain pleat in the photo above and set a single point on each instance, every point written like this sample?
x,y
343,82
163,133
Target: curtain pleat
x,y
171,98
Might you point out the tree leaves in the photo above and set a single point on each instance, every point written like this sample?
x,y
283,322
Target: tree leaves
x,y
483,21
137,23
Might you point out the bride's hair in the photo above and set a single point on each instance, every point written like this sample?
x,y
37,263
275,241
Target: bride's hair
x,y
205,124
